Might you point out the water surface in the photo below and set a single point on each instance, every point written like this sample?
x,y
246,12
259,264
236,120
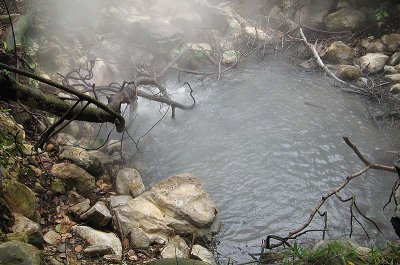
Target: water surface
x,y
267,144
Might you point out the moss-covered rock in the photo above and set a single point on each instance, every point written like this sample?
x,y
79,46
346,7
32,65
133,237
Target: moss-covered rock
x,y
19,198
57,186
9,125
19,253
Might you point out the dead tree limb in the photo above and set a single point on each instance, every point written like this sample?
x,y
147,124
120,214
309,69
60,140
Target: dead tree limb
x,y
367,166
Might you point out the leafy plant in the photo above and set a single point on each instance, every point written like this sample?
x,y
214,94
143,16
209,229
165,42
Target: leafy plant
x,y
381,14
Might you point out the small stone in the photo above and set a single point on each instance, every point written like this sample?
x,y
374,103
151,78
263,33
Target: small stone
x,y
129,182
203,254
78,248
139,238
97,250
395,78
230,57
98,215
52,238
338,52
373,62
391,41
349,72
118,200
83,159
390,69
98,238
80,208
61,248
395,89
394,59
176,247
57,186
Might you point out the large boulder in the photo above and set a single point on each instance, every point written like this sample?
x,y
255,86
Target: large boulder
x,y
19,198
98,238
74,177
19,253
345,19
129,182
373,62
338,52
177,205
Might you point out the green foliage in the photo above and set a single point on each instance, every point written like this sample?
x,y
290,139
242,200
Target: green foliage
x,y
381,14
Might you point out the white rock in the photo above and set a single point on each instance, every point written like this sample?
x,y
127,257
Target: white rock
x,y
390,69
98,215
373,62
118,200
95,237
176,247
394,59
230,57
395,89
28,227
129,182
203,254
395,78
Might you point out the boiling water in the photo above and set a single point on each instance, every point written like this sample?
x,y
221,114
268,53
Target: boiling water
x,y
266,143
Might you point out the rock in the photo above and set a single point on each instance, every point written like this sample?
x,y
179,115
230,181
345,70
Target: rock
x,y
346,244
57,186
139,238
395,78
20,237
177,261
98,215
374,46
395,89
72,129
80,207
230,57
176,205
129,182
395,220
19,198
394,59
157,36
203,254
83,159
390,69
97,250
184,198
349,72
30,228
338,52
98,238
345,19
18,253
65,139
391,41
52,238
256,33
176,247
9,125
105,160
373,62
74,177
118,200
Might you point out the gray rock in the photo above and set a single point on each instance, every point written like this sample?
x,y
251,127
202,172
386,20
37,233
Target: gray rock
x,y
18,253
176,247
129,182
338,52
394,78
391,41
394,59
19,198
203,254
98,238
97,250
373,46
118,200
177,261
139,238
30,228
349,72
345,19
395,89
78,204
83,159
98,215
74,177
52,238
373,62
230,57
390,69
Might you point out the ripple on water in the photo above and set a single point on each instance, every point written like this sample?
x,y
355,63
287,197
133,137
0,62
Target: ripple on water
x,y
265,156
